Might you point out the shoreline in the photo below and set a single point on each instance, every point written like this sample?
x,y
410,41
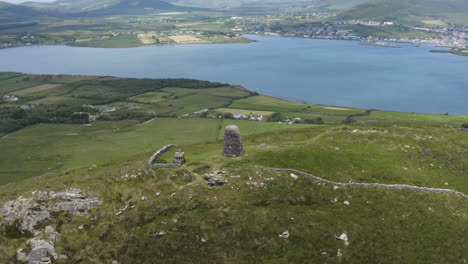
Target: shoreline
x,y
245,41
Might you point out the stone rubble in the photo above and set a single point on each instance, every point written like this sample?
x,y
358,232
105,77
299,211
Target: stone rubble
x,y
294,176
370,131
344,237
26,213
285,234
158,234
214,180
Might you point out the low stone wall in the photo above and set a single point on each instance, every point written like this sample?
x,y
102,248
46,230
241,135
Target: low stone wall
x,y
153,165
375,185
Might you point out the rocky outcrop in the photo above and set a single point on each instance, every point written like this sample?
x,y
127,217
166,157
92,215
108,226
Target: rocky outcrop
x,y
214,180
42,249
26,213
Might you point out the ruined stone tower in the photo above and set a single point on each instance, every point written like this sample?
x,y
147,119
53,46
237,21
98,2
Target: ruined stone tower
x,y
232,141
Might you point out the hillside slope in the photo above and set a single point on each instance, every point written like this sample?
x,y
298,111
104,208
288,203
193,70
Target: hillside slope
x,y
413,10
114,5
11,11
214,208
88,8
264,216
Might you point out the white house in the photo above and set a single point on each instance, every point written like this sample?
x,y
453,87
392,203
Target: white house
x,y
256,117
238,116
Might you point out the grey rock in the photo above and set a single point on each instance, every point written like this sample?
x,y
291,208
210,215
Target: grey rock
x,y
29,211
21,255
213,180
232,141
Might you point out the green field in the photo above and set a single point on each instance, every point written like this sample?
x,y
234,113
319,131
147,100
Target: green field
x,y
50,148
121,41
400,116
59,145
248,215
150,97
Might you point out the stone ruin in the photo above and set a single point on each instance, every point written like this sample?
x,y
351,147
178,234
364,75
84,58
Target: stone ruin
x,y
232,142
179,158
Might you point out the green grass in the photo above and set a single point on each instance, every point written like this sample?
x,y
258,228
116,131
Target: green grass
x,y
230,91
150,97
197,102
243,111
52,148
248,127
267,103
62,100
16,83
399,226
121,41
401,116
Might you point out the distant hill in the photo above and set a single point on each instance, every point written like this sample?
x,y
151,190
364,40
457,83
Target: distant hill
x,y
410,10
11,11
332,5
60,8
266,4
113,6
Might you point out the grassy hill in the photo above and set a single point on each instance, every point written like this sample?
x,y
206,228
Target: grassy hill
x,y
11,11
413,10
242,221
70,9
174,216
107,7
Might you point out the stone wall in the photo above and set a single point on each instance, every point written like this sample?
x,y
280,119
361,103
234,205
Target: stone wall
x,y
375,185
153,165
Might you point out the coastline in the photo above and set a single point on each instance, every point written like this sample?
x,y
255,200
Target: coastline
x,y
67,44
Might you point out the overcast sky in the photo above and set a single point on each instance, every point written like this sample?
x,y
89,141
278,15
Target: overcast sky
x,y
21,1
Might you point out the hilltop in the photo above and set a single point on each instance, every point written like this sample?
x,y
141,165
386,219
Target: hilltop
x,y
11,11
83,191
104,7
68,8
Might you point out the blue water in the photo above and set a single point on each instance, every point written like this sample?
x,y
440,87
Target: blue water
x,y
331,72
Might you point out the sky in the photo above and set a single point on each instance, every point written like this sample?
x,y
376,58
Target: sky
x,y
21,1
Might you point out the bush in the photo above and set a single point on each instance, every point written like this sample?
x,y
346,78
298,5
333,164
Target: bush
x,y
275,117
228,116
465,125
317,121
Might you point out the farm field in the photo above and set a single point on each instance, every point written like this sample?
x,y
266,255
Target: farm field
x,y
243,111
401,116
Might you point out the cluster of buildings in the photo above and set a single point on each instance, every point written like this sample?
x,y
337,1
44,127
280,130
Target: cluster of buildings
x,y
366,23
256,117
449,36
320,30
